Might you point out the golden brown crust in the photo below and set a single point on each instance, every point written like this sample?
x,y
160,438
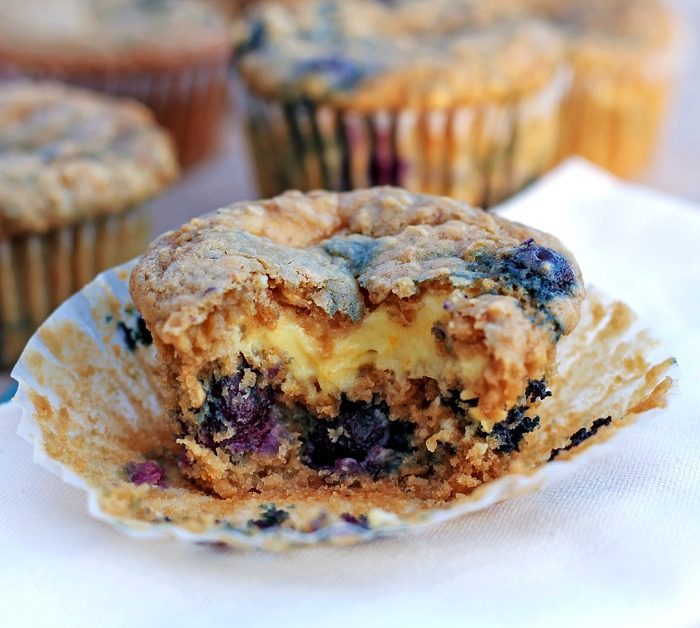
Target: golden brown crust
x,y
69,155
370,55
616,24
110,34
400,241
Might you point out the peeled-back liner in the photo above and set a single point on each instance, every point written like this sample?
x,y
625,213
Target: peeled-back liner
x,y
90,406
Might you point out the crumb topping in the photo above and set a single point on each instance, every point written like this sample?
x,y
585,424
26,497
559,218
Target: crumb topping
x,y
67,155
344,253
437,53
110,31
405,52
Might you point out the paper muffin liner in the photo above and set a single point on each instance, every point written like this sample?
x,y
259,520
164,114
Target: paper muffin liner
x,y
614,112
88,392
480,154
40,271
189,100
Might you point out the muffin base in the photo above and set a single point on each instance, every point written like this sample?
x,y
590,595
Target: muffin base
x,y
40,271
480,154
108,433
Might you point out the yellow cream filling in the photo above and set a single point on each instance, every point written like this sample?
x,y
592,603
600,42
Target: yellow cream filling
x,y
379,340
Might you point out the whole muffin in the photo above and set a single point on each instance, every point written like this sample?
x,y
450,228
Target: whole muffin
x,y
75,171
625,58
170,54
451,97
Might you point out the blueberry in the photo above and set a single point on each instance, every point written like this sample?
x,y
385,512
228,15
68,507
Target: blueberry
x,y
357,251
272,517
581,435
340,72
537,389
257,36
459,406
148,472
347,465
252,413
439,333
137,335
365,426
539,270
361,438
512,430
360,521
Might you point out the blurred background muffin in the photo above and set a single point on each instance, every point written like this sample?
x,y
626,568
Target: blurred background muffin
x,y
625,55
170,54
75,171
454,97
233,8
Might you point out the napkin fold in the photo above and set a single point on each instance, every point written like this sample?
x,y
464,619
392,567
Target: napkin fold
x,y
615,543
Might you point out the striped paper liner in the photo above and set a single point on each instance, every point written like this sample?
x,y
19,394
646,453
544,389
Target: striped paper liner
x,y
40,271
480,154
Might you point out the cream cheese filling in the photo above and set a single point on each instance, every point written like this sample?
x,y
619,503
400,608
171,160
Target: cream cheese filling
x,y
380,340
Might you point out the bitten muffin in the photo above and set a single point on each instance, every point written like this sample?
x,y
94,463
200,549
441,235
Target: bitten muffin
x,y
366,343
75,171
454,97
625,58
170,54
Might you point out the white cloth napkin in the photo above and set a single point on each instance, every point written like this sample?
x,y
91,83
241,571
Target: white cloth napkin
x,y
616,543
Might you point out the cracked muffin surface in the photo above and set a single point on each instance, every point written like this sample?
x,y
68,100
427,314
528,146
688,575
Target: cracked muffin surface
x,y
441,53
67,155
366,341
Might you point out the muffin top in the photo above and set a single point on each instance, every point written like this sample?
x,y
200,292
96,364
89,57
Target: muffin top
x,y
115,33
365,53
344,253
67,155
618,32
630,22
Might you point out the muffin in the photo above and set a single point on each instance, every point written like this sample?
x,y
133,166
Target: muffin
x,y
75,171
625,57
358,344
170,54
451,97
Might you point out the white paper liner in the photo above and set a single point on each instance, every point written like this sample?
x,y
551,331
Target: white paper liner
x,y
89,405
479,154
